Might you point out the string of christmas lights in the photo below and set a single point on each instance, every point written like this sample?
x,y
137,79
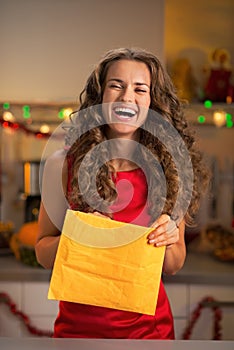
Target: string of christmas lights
x,y
207,113
218,114
24,117
20,126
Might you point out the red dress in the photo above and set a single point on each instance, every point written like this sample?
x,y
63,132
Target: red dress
x,y
86,321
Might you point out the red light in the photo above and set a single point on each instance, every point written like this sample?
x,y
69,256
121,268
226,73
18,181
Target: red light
x,y
15,126
5,124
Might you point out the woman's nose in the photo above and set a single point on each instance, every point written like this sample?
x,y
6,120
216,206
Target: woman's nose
x,y
127,95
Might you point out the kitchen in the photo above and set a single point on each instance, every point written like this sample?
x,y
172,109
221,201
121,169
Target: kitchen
x,y
45,75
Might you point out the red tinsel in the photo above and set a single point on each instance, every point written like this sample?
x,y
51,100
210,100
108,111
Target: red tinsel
x,y
4,298
21,126
217,335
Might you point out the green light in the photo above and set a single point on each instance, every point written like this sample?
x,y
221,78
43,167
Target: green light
x,y
6,105
26,108
61,114
201,119
26,111
27,115
229,124
208,104
228,117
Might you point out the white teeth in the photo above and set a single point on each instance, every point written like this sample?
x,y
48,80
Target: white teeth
x,y
125,112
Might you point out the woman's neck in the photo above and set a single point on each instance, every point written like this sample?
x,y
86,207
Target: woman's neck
x,y
123,165
122,153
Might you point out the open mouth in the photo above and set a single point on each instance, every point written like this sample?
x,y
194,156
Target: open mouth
x,y
125,112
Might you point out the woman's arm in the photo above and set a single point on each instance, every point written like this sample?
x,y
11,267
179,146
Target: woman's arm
x,y
168,234
47,240
52,210
175,253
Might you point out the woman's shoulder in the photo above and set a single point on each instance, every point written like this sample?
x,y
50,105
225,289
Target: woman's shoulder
x,y
57,155
56,162
56,158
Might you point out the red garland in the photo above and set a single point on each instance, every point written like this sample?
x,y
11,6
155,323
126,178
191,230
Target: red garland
x,y
4,298
217,334
20,126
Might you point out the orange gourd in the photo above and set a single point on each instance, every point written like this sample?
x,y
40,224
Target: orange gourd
x,y
28,233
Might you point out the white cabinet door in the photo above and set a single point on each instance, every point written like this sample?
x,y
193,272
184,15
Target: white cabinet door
x,y
179,299
203,329
31,299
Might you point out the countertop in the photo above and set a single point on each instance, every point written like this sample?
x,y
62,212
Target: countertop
x,y
15,271
91,344
203,268
199,268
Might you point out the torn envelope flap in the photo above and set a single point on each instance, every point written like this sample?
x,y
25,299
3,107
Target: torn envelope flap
x,y
95,231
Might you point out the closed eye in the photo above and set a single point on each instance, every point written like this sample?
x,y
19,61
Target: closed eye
x,y
115,86
141,90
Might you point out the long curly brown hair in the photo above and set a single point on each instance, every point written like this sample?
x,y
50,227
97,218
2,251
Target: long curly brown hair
x,y
165,125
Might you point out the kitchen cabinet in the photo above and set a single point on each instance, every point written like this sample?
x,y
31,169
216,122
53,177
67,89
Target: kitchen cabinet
x,y
184,299
31,299
201,276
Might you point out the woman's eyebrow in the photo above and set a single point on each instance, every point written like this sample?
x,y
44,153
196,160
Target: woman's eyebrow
x,y
140,84
121,81
115,79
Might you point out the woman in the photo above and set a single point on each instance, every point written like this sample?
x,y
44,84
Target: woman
x,y
137,112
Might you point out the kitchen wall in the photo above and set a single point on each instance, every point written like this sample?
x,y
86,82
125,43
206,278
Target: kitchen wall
x,y
49,48
193,29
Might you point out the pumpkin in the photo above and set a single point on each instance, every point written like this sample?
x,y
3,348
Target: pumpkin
x,y
23,243
28,233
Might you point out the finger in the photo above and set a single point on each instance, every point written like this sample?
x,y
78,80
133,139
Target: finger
x,y
171,226
167,240
160,226
166,228
169,235
163,219
100,215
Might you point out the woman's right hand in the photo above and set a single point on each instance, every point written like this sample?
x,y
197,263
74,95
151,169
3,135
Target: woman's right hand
x,y
106,216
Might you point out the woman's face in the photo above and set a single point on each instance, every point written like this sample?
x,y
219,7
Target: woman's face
x,y
126,98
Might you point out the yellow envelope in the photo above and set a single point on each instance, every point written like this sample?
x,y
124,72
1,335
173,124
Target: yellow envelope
x,y
106,263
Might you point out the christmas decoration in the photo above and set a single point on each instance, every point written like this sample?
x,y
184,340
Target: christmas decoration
x,y
184,80
206,302
20,126
25,117
219,87
4,298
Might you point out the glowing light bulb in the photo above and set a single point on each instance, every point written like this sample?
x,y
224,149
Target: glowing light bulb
x,y
64,113
8,116
208,104
219,118
6,105
67,112
26,111
44,129
201,119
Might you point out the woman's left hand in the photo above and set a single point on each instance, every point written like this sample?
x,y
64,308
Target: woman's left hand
x,y
166,232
